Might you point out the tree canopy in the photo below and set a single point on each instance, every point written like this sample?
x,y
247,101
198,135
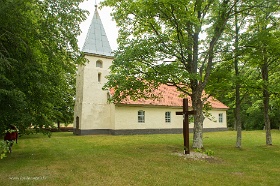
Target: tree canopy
x,y
253,55
182,43
153,31
38,57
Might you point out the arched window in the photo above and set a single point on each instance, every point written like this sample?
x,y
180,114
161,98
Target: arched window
x,y
99,63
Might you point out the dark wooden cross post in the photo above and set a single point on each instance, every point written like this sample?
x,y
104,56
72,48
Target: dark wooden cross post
x,y
186,129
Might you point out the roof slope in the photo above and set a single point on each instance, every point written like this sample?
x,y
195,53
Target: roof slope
x,y
96,41
170,96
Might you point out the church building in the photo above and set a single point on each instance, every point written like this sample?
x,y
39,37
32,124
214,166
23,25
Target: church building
x,y
94,115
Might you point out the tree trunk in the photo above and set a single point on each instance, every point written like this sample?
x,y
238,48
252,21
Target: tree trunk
x,y
197,105
266,102
237,84
58,124
238,119
267,120
198,86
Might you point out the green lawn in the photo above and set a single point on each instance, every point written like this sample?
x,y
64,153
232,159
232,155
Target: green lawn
x,y
65,159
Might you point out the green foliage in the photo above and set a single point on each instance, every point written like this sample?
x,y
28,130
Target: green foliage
x,y
258,39
159,43
208,152
152,32
9,131
38,57
198,150
4,148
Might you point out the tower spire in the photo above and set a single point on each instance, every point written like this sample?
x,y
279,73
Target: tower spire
x,y
96,41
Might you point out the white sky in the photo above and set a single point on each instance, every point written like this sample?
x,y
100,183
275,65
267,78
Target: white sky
x,y
108,23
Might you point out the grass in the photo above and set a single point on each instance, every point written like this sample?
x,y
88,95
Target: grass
x,y
65,159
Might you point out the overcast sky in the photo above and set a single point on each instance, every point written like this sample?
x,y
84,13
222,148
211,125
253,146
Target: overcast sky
x,y
108,23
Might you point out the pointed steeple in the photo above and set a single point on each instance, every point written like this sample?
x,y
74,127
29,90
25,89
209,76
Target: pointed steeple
x,y
96,41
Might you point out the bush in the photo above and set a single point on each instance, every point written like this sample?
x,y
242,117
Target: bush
x,y
208,152
4,148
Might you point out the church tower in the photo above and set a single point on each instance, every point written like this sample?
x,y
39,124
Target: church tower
x,y
92,112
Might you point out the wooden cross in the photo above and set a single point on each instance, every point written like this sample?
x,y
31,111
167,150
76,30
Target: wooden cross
x,y
186,129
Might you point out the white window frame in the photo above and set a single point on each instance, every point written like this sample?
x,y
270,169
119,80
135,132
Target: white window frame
x,y
168,117
221,118
141,116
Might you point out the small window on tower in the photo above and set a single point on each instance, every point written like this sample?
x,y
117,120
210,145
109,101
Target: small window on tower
x,y
99,64
99,77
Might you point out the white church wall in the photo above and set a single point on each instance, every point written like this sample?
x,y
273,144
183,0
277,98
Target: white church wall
x,y
126,117
214,121
91,101
93,92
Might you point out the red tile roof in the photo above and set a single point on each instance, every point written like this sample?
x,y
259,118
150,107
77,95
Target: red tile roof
x,y
170,96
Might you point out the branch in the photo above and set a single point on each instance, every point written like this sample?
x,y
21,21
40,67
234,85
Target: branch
x,y
224,16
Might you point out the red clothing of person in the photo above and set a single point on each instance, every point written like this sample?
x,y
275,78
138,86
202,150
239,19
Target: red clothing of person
x,y
11,136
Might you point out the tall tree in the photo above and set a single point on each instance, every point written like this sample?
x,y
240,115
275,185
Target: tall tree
x,y
244,50
38,54
237,84
151,32
264,33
